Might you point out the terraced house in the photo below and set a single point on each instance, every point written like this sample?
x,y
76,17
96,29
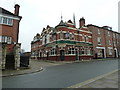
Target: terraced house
x,y
63,42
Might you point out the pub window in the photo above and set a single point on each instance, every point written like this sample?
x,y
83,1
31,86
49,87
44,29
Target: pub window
x,y
88,52
71,51
83,38
72,37
67,35
110,51
87,39
61,35
83,51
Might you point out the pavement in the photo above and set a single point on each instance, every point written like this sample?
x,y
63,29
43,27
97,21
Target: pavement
x,y
109,80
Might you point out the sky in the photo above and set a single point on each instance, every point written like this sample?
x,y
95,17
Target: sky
x,y
37,14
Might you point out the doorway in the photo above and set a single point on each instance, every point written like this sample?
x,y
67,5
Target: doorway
x,y
115,54
103,53
62,55
10,62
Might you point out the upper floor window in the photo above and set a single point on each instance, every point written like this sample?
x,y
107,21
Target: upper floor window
x,y
98,31
99,40
61,35
67,35
48,38
83,38
6,21
108,33
114,35
87,39
109,42
0,20
72,37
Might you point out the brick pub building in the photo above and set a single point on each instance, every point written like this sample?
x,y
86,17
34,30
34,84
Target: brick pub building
x,y
9,32
66,42
63,42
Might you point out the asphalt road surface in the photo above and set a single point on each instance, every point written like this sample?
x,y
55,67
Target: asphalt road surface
x,y
61,76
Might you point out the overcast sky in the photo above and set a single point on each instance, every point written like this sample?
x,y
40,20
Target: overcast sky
x,y
37,14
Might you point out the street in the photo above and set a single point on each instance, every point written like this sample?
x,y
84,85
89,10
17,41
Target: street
x,y
61,76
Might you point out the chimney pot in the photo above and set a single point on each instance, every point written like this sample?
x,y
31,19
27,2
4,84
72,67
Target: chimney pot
x,y
16,9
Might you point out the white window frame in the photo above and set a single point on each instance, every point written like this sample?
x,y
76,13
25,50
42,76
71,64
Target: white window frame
x,y
52,52
109,42
83,38
72,36
108,33
84,51
98,31
110,51
7,21
99,40
88,52
0,38
87,39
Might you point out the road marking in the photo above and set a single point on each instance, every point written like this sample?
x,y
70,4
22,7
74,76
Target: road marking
x,y
91,80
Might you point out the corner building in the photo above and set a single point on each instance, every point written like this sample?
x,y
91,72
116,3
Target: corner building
x,y
64,42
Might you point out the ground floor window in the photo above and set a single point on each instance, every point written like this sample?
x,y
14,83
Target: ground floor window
x,y
53,52
5,39
83,52
71,51
110,51
89,52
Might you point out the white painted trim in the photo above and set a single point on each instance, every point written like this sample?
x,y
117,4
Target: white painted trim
x,y
85,31
100,47
110,47
116,51
70,23
8,16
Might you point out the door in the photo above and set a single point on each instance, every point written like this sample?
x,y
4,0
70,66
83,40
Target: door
x,y
61,55
115,53
76,52
103,53
10,62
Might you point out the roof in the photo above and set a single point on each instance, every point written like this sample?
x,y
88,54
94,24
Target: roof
x,y
62,24
103,28
4,11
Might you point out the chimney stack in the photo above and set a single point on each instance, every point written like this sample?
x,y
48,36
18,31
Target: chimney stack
x,y
82,22
16,12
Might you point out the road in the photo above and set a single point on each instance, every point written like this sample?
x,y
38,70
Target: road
x,y
61,76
